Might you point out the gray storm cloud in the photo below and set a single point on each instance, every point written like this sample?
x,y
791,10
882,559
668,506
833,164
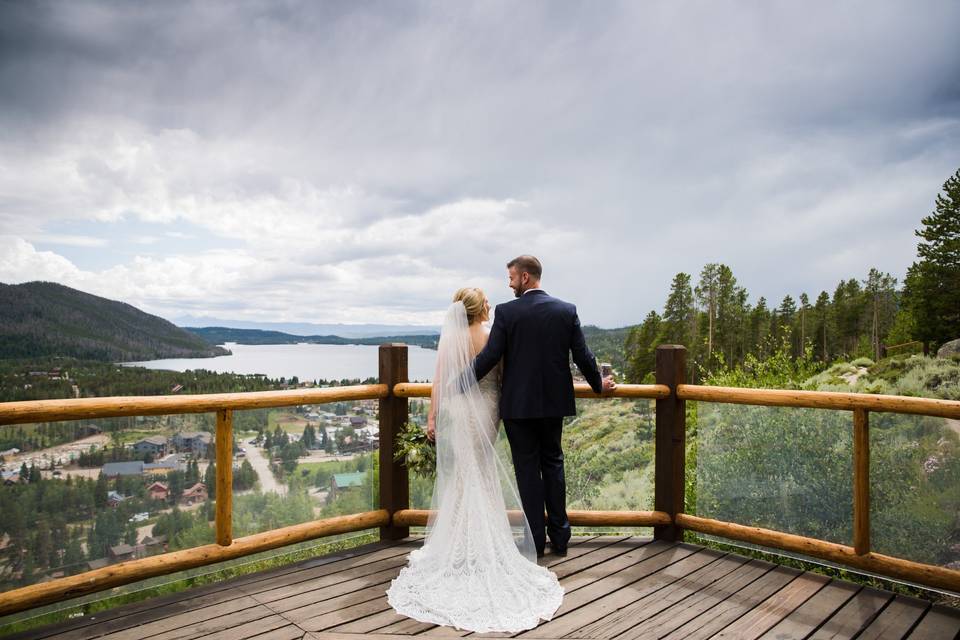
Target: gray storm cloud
x,y
362,161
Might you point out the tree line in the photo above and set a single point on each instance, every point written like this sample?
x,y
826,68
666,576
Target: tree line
x,y
714,318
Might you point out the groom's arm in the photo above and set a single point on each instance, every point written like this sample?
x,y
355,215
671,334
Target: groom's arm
x,y
583,357
496,345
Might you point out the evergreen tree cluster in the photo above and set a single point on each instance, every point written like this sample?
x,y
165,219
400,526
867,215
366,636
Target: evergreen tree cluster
x,y
719,326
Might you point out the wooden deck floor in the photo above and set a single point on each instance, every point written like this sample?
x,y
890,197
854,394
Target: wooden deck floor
x,y
626,588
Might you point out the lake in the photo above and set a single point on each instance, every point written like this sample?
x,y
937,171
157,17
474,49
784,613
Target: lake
x,y
306,361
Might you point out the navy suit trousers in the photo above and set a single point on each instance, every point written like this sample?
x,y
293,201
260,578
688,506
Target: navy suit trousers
x,y
538,462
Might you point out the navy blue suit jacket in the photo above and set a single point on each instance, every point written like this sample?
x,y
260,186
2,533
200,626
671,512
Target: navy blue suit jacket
x,y
534,335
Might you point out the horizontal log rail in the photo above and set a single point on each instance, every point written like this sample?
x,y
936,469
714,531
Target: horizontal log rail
x,y
135,570
651,391
917,572
418,518
91,408
821,400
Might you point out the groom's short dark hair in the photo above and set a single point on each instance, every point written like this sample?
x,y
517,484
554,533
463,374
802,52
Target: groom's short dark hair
x,y
528,264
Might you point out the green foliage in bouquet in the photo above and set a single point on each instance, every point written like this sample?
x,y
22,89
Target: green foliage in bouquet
x,y
414,448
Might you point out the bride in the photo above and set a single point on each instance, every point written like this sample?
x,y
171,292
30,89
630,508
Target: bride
x,y
477,568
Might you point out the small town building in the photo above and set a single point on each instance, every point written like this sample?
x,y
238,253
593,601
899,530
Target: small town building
x,y
346,481
194,495
154,445
114,499
158,491
121,552
195,442
154,543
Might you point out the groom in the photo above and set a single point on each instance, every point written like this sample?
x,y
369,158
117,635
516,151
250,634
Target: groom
x,y
534,336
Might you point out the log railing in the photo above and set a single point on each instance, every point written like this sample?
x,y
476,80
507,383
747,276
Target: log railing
x,y
394,517
859,555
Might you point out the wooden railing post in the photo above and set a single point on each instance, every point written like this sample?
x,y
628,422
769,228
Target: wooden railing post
x,y
224,440
670,457
394,481
861,481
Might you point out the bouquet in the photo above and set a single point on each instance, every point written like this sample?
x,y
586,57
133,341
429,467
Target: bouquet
x,y
416,450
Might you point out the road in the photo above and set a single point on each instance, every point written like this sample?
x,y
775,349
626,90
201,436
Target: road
x,y
261,465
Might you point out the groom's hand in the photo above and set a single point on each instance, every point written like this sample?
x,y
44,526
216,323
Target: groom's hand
x,y
609,386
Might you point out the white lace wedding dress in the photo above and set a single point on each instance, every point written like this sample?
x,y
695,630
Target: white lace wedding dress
x,y
476,571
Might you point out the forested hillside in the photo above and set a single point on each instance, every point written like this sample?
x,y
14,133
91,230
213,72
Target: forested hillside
x,y
40,319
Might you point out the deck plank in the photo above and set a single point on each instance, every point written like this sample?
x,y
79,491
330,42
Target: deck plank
x,y
896,619
811,614
938,623
734,607
627,617
643,562
854,616
703,600
775,608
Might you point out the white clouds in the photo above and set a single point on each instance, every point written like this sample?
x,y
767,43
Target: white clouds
x,y
358,163
21,262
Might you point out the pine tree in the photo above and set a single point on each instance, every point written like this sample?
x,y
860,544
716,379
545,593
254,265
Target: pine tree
x,y
804,308
880,289
100,492
679,314
210,480
706,292
932,287
641,346
822,310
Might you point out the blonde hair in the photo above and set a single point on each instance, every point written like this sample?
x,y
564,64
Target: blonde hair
x,y
473,299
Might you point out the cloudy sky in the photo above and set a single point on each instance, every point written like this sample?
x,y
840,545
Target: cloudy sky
x,y
357,162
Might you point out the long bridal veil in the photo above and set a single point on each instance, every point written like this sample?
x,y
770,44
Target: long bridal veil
x,y
477,568
468,464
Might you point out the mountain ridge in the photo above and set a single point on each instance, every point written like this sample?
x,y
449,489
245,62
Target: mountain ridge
x,y
40,319
222,335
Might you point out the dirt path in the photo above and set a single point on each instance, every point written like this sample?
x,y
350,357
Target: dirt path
x,y
261,465
62,454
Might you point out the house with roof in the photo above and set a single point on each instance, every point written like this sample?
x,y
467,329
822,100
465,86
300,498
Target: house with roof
x,y
122,552
195,442
345,482
158,491
154,544
114,499
194,495
154,445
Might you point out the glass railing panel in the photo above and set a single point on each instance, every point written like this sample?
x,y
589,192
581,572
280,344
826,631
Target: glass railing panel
x,y
915,488
609,459
779,468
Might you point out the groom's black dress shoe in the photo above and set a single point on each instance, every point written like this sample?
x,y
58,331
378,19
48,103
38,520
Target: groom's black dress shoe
x,y
558,551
